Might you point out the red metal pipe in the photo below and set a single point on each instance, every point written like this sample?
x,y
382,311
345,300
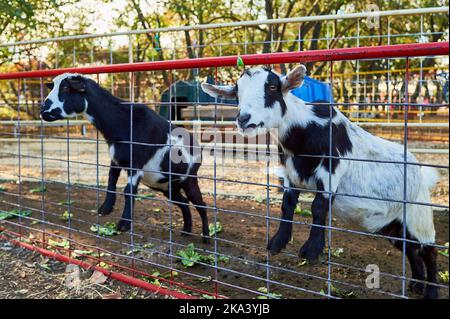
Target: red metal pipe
x,y
378,52
114,275
116,265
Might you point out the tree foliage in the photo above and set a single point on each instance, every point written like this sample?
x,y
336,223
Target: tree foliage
x,y
31,19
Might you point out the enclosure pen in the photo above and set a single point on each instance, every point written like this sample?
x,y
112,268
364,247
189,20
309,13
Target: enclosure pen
x,y
52,193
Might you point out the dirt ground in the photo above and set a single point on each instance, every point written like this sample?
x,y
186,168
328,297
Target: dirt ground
x,y
155,242
153,245
26,274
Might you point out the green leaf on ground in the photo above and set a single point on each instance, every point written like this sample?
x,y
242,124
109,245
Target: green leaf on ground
x,y
63,244
81,253
65,216
67,202
133,251
40,189
189,256
444,252
209,259
207,279
259,199
215,229
108,230
2,188
103,265
342,293
443,276
303,262
302,212
170,274
271,294
154,281
337,252
205,296
14,213
144,196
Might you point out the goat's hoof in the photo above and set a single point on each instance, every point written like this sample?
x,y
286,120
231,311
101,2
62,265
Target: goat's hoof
x,y
105,209
431,292
123,225
311,250
277,243
416,287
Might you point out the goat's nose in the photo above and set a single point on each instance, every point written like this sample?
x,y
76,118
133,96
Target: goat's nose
x,y
46,105
243,119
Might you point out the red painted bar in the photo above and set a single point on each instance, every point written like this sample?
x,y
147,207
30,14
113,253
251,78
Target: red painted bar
x,y
374,52
113,275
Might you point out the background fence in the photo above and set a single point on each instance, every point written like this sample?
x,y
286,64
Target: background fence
x,y
57,172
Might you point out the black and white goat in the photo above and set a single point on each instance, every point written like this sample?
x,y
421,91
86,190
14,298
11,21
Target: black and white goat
x,y
146,158
265,102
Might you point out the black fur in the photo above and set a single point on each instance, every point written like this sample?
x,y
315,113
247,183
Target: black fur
x,y
270,97
112,117
322,109
284,233
420,258
313,247
314,140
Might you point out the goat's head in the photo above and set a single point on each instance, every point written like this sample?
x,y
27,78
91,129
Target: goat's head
x,y
66,98
261,95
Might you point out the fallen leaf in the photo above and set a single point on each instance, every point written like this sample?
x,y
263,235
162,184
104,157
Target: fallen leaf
x,y
72,279
303,262
97,278
113,295
40,189
22,291
70,268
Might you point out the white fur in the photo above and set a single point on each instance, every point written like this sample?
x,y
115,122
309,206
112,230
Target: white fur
x,y
112,152
379,180
57,103
370,179
151,173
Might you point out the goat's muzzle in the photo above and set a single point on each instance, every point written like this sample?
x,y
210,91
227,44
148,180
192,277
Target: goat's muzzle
x,y
49,115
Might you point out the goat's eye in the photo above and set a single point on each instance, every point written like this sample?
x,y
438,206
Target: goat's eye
x,y
273,88
65,89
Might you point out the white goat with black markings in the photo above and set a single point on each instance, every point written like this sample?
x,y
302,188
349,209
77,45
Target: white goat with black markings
x,y
265,102
164,157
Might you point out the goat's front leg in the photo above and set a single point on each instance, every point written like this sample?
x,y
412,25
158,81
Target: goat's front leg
x,y
130,191
313,247
110,199
283,235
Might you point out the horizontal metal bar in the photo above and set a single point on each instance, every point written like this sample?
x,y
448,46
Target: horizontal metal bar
x,y
343,54
207,123
227,146
403,12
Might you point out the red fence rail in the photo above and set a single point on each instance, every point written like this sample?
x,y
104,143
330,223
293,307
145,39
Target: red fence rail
x,y
360,53
379,52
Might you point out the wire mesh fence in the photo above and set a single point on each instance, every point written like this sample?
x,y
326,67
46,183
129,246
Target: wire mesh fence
x,y
54,175
55,179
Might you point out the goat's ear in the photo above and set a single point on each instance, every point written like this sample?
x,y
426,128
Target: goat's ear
x,y
220,91
50,85
77,84
294,78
